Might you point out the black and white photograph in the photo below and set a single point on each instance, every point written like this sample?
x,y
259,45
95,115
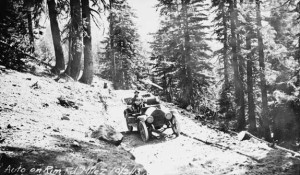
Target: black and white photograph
x,y
149,87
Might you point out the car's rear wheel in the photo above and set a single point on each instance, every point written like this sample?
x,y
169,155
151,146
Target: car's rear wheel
x,y
143,131
175,126
129,127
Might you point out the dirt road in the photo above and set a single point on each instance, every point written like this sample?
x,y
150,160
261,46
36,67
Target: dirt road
x,y
200,150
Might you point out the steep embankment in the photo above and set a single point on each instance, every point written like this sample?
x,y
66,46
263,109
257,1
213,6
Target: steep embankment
x,y
45,127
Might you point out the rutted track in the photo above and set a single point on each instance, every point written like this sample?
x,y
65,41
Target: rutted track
x,y
200,150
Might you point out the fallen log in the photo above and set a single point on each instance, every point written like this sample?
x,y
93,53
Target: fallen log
x,y
244,135
219,146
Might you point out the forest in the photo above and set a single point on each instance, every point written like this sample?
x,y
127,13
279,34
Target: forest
x,y
250,82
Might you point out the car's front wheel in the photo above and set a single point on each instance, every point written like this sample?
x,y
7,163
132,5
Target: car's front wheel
x,y
143,131
175,126
129,127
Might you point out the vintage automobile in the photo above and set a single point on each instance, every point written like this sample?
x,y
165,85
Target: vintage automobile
x,y
151,116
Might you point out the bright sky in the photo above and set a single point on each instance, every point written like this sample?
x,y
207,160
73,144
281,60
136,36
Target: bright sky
x,y
148,18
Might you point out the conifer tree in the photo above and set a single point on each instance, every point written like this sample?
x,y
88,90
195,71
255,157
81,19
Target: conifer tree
x,y
186,47
121,50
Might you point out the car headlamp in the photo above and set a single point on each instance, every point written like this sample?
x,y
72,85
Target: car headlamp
x,y
168,116
150,119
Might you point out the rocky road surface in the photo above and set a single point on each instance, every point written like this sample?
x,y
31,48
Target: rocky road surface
x,y
200,150
39,134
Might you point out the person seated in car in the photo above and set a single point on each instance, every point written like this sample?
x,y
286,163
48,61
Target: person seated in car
x,y
136,102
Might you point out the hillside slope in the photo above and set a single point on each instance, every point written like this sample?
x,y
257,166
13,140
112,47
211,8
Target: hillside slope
x,y
40,134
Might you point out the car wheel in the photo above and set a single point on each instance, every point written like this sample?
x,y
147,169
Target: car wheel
x,y
130,128
175,126
143,131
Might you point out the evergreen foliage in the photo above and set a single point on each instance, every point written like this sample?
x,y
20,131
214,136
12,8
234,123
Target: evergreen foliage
x,y
15,38
181,52
121,51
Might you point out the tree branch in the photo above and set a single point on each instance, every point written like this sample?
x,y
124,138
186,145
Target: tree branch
x,y
25,54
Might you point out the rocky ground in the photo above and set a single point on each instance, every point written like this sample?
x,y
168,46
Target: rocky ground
x,y
46,128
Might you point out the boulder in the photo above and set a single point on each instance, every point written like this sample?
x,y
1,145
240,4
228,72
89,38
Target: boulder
x,y
108,134
244,135
65,117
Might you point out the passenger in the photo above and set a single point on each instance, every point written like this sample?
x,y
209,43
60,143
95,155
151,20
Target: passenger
x,y
136,102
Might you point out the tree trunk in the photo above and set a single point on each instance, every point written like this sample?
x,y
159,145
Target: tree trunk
x,y
251,105
297,57
112,51
241,62
56,38
188,97
28,6
76,38
237,81
68,69
30,29
225,46
264,114
87,76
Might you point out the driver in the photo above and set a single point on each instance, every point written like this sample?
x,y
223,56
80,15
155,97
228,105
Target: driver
x,y
136,102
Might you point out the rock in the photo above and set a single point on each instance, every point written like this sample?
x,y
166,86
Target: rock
x,y
67,87
243,135
56,129
65,117
63,78
13,104
66,103
2,140
35,86
9,126
189,108
45,105
75,144
28,78
108,133
35,152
